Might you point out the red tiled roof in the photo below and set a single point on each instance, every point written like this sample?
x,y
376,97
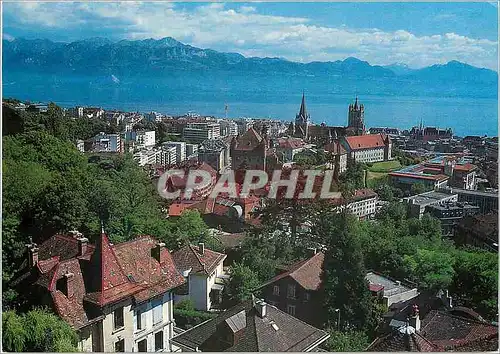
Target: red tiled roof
x,y
376,287
369,141
291,143
47,264
335,148
248,141
402,342
418,176
307,272
189,257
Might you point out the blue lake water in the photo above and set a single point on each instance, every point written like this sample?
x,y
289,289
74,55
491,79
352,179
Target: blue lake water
x,y
279,100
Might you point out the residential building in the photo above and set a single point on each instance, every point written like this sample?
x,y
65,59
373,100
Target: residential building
x,y
228,128
180,148
251,150
38,108
191,149
368,148
215,152
390,291
288,147
117,297
432,324
479,231
167,156
176,182
198,132
297,291
143,138
243,125
147,157
450,214
363,203
337,157
153,116
93,112
418,203
252,326
114,116
204,273
486,201
103,142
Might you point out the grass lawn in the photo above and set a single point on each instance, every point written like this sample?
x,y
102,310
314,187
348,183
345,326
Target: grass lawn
x,y
375,178
385,166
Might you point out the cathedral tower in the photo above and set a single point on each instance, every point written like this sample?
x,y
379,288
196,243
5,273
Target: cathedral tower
x,y
302,121
356,120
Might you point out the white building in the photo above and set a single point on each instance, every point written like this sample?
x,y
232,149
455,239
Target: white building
x,y
153,117
191,149
147,157
363,203
117,297
198,132
368,148
228,128
205,276
180,148
167,155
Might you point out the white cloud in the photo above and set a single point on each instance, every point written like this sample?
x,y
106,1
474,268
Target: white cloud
x,y
7,37
246,31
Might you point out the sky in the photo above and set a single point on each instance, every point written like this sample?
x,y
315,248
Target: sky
x,y
415,34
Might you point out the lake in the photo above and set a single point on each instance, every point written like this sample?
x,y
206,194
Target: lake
x,y
325,101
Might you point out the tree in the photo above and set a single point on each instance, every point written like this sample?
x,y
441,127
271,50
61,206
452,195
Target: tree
x,y
354,174
37,331
190,227
385,193
345,287
242,283
349,341
432,270
418,188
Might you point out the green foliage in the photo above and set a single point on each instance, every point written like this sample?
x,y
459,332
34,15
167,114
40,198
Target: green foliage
x,y
385,193
433,270
385,166
345,288
310,158
37,330
186,316
190,227
476,281
354,175
350,341
241,284
418,188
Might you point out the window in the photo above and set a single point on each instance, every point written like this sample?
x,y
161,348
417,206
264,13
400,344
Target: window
x,y
120,346
142,346
62,285
291,292
290,309
118,318
158,340
307,297
157,311
138,316
276,290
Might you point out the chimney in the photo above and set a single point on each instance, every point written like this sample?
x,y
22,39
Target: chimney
x,y
156,251
69,283
82,245
415,318
261,308
201,248
32,254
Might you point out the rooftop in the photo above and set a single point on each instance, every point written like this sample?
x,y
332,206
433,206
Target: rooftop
x,y
390,287
277,331
427,198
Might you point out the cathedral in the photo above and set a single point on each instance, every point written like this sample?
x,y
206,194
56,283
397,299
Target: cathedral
x,y
323,134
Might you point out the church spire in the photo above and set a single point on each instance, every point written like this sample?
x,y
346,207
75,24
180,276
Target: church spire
x,y
356,103
303,111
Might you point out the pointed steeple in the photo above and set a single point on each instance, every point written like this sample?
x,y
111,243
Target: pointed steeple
x,y
303,111
356,103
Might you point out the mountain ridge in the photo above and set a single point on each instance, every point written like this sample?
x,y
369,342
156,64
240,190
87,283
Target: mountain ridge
x,y
169,58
